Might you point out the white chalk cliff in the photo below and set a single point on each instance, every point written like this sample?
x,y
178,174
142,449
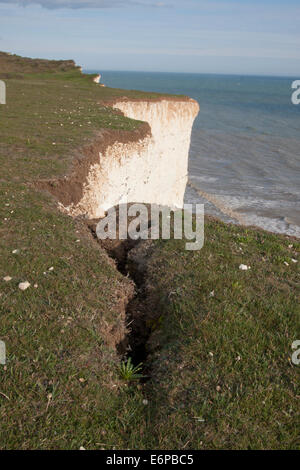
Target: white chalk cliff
x,y
97,78
151,170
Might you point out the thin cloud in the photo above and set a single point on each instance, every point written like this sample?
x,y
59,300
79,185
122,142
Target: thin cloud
x,y
81,4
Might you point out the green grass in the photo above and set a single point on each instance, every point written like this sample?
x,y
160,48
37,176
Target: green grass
x,y
223,377
58,333
61,387
128,371
15,64
61,378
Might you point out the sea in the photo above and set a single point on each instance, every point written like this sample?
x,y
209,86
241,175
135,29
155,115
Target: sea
x,y
244,162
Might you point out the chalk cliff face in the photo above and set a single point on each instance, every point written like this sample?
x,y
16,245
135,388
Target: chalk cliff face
x,y
152,169
97,79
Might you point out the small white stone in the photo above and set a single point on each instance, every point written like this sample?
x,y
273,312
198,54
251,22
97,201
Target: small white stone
x,y
287,264
211,354
212,294
244,267
35,286
81,448
51,269
294,260
24,285
7,278
14,252
290,246
145,402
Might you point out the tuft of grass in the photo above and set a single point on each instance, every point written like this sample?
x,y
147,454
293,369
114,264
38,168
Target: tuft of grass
x,y
129,372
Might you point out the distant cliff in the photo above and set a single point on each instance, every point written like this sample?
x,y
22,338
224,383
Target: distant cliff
x,y
12,63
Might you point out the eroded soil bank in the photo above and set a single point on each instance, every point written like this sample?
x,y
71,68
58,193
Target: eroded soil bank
x,y
131,258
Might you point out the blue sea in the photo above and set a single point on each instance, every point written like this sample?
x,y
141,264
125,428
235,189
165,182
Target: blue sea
x,y
244,162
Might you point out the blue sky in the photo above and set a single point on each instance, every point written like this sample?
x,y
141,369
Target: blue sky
x,y
205,36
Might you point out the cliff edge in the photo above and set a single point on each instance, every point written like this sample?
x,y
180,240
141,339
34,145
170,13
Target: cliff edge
x,y
149,168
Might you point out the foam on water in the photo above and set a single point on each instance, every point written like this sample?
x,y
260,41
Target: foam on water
x,y
254,179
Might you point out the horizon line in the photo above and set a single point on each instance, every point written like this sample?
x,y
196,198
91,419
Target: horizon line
x,y
97,70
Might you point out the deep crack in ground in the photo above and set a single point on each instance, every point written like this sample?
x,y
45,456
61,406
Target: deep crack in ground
x,y
127,260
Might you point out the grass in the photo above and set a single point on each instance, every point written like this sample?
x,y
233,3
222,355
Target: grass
x,y
129,372
56,334
14,64
222,354
221,370
61,377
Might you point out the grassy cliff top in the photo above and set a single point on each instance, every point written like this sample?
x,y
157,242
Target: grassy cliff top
x,y
12,63
52,109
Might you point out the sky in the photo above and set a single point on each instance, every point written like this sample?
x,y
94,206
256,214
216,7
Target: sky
x,y
259,37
